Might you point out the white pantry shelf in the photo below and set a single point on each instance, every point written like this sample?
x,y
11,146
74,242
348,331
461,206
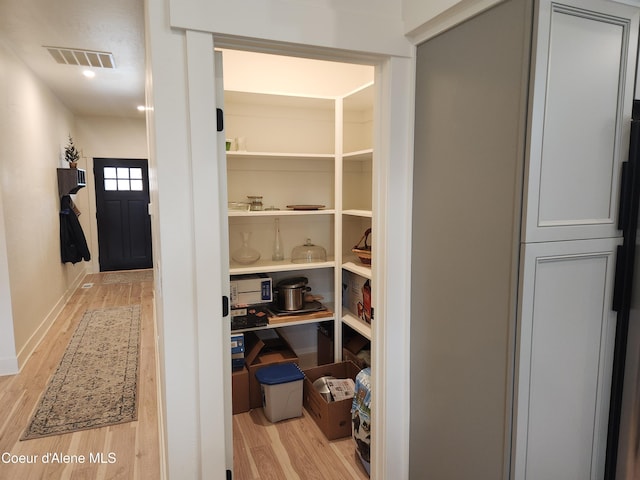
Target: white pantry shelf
x,y
357,268
289,321
358,213
359,155
279,213
358,325
267,266
269,155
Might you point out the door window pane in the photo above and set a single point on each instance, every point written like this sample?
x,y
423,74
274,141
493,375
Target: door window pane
x,y
123,178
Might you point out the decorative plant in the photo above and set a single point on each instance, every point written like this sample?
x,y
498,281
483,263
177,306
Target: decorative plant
x,y
71,154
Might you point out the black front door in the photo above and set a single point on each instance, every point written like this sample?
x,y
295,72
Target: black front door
x,y
124,225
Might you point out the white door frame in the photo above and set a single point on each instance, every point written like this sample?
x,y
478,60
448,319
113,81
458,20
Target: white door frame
x,y
392,198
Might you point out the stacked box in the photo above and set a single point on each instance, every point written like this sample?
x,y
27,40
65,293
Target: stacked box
x,y
251,289
240,390
237,350
264,348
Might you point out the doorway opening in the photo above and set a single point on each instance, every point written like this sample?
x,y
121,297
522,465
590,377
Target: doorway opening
x,y
300,137
124,224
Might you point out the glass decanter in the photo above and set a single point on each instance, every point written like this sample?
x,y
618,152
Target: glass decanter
x,y
245,254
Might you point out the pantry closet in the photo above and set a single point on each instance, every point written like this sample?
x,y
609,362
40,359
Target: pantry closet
x,y
299,172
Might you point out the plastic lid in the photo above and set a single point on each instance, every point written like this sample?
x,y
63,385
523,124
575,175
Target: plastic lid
x,y
276,374
296,282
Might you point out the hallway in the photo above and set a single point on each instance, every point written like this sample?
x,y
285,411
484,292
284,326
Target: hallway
x,y
130,450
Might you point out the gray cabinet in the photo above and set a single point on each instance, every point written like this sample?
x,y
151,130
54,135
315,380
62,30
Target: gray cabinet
x,y
522,123
582,84
580,109
565,345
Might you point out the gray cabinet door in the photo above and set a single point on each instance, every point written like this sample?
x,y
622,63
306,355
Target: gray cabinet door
x,y
582,84
566,342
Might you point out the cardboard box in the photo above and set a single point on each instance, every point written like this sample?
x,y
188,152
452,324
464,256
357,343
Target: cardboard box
x,y
333,418
349,356
240,390
325,345
251,289
356,295
263,348
352,347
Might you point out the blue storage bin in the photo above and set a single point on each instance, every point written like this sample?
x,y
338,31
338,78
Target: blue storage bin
x,y
276,374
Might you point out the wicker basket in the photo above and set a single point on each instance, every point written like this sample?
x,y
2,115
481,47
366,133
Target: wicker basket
x,y
363,252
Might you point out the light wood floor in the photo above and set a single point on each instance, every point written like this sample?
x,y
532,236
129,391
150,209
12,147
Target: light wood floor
x,y
290,450
287,450
135,445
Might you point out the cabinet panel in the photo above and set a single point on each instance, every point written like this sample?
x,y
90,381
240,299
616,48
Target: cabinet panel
x,y
583,86
567,332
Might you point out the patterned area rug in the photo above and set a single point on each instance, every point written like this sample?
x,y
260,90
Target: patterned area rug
x,y
129,277
95,384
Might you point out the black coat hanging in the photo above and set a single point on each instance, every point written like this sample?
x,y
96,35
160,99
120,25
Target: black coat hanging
x,y
73,245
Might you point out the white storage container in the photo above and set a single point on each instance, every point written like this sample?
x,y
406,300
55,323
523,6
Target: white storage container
x,y
281,391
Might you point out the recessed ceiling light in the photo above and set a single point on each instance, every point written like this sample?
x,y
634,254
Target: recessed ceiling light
x,y
142,108
89,73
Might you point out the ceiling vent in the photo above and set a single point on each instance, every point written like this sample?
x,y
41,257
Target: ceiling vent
x,y
84,58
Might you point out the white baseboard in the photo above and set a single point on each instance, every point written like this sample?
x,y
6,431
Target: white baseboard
x,y
37,336
9,366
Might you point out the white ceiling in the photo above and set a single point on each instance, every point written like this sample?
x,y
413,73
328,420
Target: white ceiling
x,y
117,27
279,75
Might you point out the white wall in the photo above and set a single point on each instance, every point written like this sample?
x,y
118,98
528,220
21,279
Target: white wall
x,y
371,26
34,125
416,12
33,131
423,20
8,358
